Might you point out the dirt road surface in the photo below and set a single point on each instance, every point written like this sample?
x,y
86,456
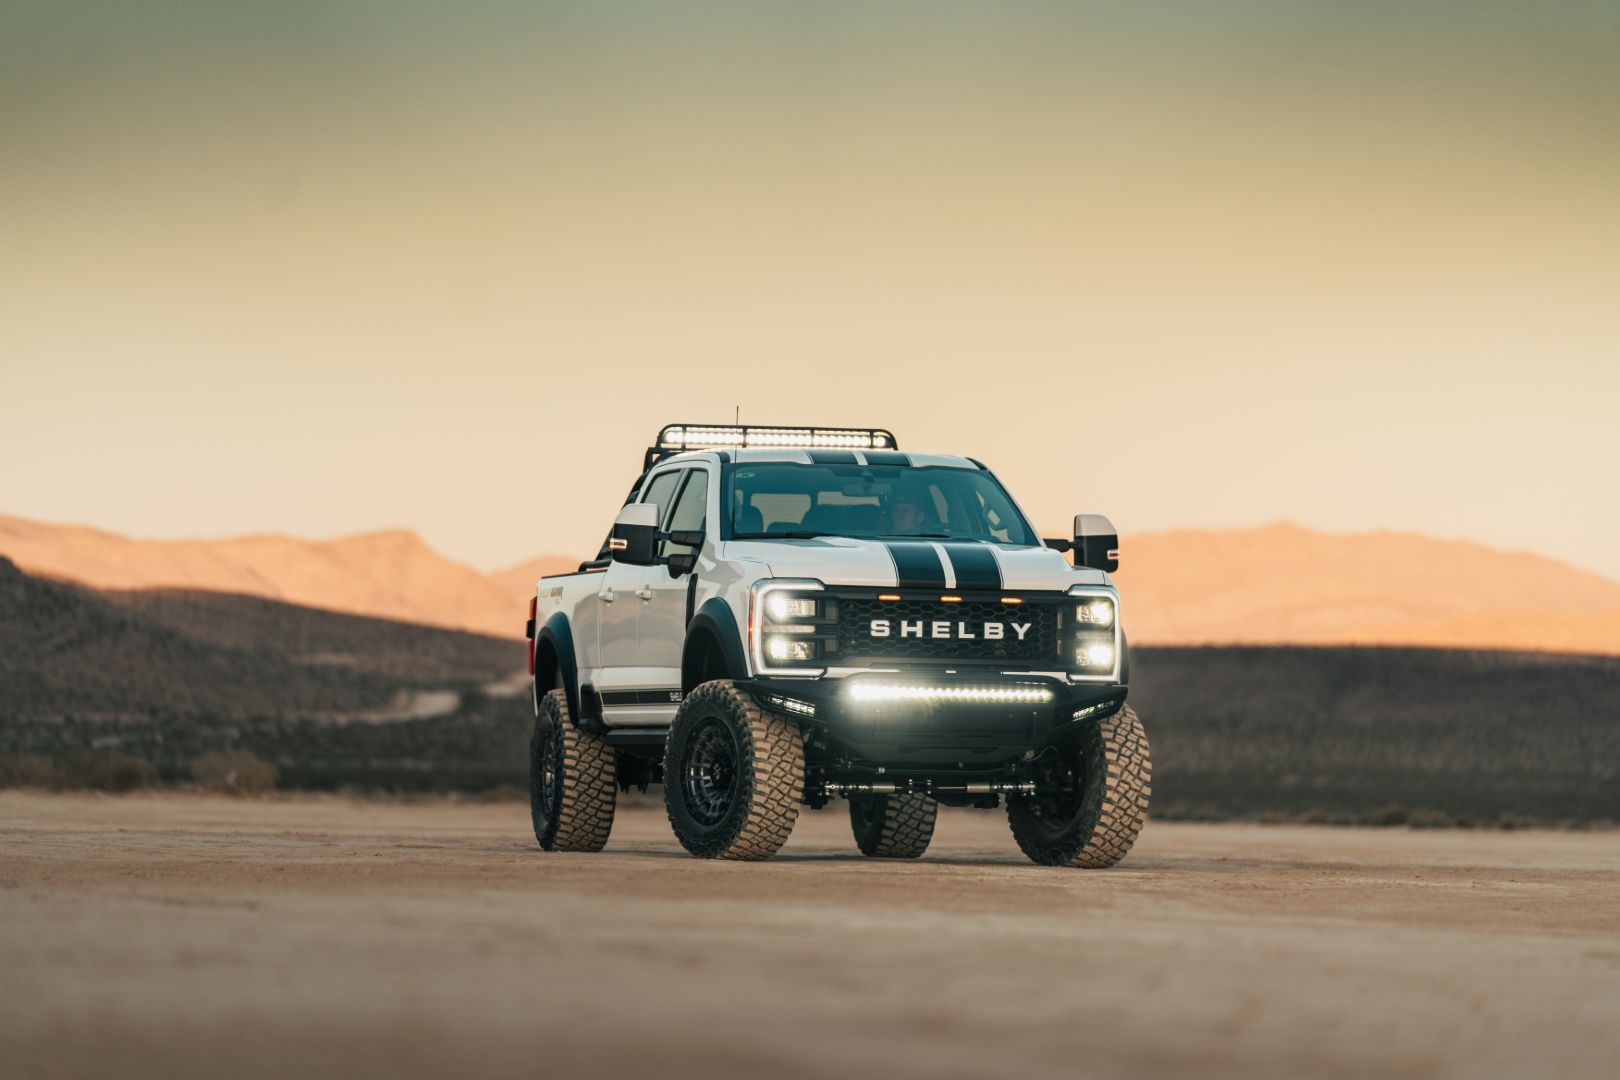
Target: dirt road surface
x,y
192,936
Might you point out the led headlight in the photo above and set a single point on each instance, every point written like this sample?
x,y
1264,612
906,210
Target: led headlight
x,y
1096,612
1098,654
781,607
1093,637
778,646
786,648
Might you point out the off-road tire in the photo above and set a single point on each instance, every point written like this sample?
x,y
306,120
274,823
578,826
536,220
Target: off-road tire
x,y
733,775
1097,826
573,808
892,826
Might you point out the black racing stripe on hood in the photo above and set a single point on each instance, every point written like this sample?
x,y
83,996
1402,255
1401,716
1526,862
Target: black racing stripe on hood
x,y
975,566
916,566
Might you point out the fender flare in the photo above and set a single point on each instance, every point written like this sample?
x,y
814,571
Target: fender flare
x,y
716,619
560,637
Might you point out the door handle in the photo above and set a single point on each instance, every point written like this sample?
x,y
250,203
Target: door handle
x,y
606,596
645,592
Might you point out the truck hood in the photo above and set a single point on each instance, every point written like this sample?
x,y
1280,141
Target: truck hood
x,y
841,560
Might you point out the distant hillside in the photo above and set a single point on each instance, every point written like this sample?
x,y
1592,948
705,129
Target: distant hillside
x,y
67,650
390,574
1280,584
1286,585
1346,732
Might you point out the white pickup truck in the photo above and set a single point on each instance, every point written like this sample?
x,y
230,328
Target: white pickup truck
x,y
785,615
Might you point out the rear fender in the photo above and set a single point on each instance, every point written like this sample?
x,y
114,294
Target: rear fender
x,y
555,664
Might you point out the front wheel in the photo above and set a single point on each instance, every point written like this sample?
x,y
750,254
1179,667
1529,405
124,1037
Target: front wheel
x,y
892,826
1102,784
733,775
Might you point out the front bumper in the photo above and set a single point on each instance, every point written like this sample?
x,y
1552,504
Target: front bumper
x,y
911,718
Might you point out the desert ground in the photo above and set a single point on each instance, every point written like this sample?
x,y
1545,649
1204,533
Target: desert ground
x,y
185,935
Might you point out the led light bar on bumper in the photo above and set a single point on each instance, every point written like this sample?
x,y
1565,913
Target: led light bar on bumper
x,y
722,436
868,691
786,634
1094,643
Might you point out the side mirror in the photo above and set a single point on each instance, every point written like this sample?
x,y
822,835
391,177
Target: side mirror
x,y
685,537
1096,542
683,562
1057,545
635,535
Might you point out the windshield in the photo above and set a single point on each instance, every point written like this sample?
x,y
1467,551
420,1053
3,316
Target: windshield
x,y
784,500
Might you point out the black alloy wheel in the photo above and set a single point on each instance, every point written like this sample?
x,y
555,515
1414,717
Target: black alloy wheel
x,y
733,775
709,770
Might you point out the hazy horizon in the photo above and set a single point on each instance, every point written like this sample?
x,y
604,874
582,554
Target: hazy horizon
x,y
323,272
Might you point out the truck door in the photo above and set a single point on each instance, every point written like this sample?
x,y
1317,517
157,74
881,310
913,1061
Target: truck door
x,y
663,618
628,690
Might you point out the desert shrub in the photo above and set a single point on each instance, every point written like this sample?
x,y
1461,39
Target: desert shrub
x,y
1509,822
101,769
235,772
28,771
1387,816
1429,819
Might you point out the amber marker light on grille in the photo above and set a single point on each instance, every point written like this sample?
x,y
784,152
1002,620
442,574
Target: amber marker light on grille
x,y
889,596
950,599
1012,599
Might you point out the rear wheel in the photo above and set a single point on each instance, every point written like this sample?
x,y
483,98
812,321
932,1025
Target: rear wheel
x,y
893,826
1103,783
572,781
733,775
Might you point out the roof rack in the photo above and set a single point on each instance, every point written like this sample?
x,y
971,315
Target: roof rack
x,y
679,438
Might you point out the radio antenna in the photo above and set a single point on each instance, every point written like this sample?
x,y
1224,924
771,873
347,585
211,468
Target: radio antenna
x,y
736,419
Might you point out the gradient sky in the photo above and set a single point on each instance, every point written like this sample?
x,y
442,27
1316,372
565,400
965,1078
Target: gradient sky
x,y
323,269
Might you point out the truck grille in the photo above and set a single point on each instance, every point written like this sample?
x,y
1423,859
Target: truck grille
x,y
1039,643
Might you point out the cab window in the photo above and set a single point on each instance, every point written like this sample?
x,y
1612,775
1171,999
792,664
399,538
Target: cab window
x,y
659,490
690,510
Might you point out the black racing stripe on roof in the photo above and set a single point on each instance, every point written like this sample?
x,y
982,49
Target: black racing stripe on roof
x,y
886,457
975,566
832,457
916,566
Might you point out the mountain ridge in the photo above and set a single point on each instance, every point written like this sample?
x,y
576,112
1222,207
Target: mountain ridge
x,y
1279,583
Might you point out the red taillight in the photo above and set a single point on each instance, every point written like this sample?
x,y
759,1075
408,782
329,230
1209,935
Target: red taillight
x,y
534,602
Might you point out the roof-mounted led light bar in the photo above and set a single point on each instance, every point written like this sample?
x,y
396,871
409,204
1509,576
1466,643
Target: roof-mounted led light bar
x,y
677,437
